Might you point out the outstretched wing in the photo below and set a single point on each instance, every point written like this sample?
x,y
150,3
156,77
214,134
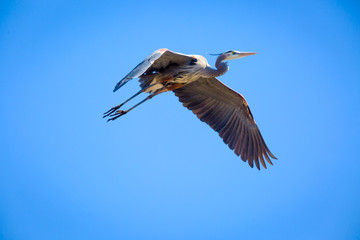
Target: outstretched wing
x,y
228,113
156,61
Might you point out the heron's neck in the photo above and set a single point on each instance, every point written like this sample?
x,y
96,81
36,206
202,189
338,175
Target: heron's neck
x,y
221,67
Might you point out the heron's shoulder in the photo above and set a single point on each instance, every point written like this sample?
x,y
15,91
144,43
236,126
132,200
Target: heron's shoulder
x,y
198,56
201,59
161,50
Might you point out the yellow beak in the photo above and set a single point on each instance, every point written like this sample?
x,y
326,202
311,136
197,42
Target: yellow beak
x,y
244,54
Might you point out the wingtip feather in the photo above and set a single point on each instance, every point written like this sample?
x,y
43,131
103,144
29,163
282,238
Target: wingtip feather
x,y
271,155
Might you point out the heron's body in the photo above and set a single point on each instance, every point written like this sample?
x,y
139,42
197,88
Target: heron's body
x,y
175,75
193,80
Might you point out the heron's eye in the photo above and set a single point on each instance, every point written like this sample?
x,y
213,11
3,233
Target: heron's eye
x,y
233,53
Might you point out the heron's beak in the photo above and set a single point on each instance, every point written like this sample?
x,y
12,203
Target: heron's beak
x,y
244,54
238,55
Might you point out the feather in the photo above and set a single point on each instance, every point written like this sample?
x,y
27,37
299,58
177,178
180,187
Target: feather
x,y
228,113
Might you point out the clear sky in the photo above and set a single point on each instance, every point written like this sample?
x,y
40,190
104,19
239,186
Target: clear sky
x,y
158,172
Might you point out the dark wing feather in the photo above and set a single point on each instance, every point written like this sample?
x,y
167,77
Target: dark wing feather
x,y
228,113
156,61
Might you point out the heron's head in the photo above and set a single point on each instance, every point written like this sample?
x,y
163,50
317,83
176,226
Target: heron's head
x,y
232,54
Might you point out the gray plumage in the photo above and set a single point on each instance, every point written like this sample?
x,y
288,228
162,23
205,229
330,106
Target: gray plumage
x,y
194,82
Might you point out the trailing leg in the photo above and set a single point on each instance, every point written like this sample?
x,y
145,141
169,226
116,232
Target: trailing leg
x,y
119,113
112,110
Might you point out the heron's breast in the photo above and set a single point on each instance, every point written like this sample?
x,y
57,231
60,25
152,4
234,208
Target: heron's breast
x,y
188,73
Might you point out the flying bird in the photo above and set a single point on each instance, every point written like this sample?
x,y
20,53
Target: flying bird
x,y
194,82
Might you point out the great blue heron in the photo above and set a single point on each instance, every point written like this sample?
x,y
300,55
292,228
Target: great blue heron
x,y
192,79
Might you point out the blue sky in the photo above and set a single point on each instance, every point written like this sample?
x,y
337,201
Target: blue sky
x,y
158,172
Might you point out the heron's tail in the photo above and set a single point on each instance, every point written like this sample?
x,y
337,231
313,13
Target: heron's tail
x,y
145,80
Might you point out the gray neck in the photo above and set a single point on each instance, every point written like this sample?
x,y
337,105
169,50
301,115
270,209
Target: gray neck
x,y
221,67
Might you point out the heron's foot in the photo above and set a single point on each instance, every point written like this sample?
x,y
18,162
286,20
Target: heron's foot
x,y
112,110
117,114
